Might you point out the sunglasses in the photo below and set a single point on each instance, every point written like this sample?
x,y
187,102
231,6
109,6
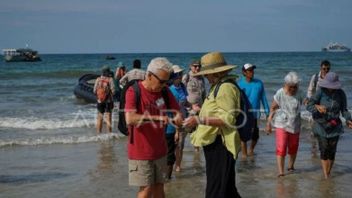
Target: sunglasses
x,y
199,66
160,80
326,68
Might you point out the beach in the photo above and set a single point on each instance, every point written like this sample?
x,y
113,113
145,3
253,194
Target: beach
x,y
49,147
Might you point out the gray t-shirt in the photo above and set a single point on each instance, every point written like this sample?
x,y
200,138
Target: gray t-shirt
x,y
288,116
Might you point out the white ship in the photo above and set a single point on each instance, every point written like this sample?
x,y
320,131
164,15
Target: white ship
x,y
335,47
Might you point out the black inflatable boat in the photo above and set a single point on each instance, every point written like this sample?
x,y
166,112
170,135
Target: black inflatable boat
x,y
84,88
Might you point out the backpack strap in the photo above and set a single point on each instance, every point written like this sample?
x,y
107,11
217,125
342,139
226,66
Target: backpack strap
x,y
315,82
217,87
137,92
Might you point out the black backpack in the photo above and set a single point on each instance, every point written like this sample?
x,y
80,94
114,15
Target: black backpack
x,y
122,126
245,121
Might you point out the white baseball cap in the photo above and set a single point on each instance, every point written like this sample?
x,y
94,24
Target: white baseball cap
x,y
248,66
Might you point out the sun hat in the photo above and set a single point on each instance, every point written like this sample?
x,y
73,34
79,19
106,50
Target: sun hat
x,y
213,62
177,69
248,66
330,81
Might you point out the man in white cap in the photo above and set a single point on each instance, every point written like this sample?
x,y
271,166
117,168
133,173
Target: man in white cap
x,y
147,148
254,89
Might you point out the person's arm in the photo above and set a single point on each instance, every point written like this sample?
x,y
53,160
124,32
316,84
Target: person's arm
x,y
112,86
227,101
265,102
313,104
134,118
344,111
311,87
95,85
273,108
124,79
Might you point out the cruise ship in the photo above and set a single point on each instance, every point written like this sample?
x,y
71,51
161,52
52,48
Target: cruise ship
x,y
21,55
335,47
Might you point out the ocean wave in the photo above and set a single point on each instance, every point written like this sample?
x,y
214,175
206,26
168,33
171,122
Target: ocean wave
x,y
34,123
60,140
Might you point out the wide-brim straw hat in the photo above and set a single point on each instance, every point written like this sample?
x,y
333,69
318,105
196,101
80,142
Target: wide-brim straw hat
x,y
213,62
177,69
330,81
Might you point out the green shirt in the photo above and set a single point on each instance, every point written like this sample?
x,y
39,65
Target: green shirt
x,y
225,107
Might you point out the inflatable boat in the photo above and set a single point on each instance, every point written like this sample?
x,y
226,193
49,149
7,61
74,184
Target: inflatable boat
x,y
84,88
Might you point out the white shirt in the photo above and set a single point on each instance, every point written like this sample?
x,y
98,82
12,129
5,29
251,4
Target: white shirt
x,y
288,115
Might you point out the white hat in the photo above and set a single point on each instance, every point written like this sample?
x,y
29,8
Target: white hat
x,y
177,69
248,65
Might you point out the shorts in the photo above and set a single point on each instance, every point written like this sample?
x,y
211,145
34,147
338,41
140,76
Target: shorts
x,y
147,172
286,140
171,146
105,107
327,147
255,135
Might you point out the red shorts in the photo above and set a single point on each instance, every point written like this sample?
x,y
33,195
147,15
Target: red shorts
x,y
286,140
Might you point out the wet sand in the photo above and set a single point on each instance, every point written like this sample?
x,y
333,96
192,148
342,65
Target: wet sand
x,y
100,170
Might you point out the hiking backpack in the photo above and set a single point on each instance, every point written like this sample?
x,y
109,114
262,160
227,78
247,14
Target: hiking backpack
x,y
103,89
122,125
245,119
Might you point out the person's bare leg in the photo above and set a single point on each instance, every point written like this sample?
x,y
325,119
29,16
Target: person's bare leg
x,y
179,155
145,192
108,122
330,165
280,164
291,162
99,122
158,190
244,149
251,149
325,166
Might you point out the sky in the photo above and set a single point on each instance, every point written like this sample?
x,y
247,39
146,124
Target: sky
x,y
147,26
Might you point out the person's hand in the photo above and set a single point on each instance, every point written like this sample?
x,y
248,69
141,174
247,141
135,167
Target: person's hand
x,y
178,120
321,108
305,101
349,123
196,107
268,128
191,122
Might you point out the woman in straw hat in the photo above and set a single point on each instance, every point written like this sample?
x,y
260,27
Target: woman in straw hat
x,y
220,141
326,106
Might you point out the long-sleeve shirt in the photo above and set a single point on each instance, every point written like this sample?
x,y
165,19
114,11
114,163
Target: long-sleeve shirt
x,y
255,92
222,107
335,104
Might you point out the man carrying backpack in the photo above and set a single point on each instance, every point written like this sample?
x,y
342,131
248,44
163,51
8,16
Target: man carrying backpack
x,y
104,89
254,90
147,119
314,81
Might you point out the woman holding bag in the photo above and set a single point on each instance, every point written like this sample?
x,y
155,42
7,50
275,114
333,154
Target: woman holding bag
x,y
326,106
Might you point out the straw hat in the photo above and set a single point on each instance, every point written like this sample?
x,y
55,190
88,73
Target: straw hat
x,y
213,62
177,69
330,81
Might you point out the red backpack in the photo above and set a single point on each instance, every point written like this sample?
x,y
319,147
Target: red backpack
x,y
103,89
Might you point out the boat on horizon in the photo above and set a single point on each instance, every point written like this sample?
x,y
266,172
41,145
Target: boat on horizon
x,y
336,47
21,55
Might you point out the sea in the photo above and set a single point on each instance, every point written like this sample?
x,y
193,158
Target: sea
x,y
49,146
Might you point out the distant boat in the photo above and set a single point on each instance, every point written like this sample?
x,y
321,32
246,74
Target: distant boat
x,y
84,88
335,47
110,58
21,55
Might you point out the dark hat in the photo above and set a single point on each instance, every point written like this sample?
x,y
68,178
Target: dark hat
x,y
195,62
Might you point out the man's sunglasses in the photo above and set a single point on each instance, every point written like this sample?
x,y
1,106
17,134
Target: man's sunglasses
x,y
160,80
